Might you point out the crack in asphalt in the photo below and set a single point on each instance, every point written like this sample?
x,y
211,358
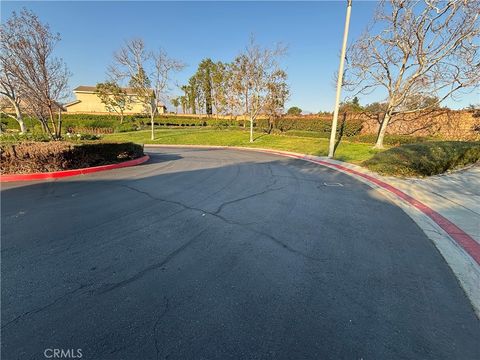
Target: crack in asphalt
x,y
228,184
185,206
157,322
40,309
220,208
109,287
286,247
242,225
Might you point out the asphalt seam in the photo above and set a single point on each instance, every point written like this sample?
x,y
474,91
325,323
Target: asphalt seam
x,y
231,222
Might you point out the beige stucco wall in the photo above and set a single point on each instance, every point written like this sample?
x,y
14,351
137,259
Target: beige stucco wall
x,y
447,124
90,103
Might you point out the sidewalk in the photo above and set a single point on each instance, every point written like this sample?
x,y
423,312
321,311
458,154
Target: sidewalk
x,y
456,196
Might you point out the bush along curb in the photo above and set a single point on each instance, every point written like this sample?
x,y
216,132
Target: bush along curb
x,y
73,172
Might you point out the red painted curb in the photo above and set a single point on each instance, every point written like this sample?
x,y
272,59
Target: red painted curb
x,y
74,172
461,237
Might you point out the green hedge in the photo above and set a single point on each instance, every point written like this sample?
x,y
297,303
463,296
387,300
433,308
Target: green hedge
x,y
321,125
171,121
425,159
393,140
304,133
111,123
80,121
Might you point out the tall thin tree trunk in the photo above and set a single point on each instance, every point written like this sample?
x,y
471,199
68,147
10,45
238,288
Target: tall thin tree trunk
x,y
19,118
121,117
23,127
152,115
52,120
44,124
59,128
246,109
382,131
251,129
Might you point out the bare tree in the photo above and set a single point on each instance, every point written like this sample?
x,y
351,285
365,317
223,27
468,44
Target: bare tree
x,y
148,73
39,112
417,48
255,71
129,66
41,78
114,98
277,95
9,90
163,68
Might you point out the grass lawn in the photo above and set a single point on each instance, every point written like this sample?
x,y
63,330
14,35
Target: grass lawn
x,y
424,158
346,151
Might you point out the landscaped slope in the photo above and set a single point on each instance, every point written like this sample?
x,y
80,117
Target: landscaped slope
x,y
425,159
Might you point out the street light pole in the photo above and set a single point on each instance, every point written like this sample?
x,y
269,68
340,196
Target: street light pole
x,y
331,148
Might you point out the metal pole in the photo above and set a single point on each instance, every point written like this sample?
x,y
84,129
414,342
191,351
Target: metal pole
x,y
152,116
331,148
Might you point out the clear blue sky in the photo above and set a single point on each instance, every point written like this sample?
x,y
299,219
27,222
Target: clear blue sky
x,y
191,31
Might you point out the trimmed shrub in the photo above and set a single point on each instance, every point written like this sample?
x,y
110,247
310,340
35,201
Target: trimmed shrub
x,y
13,138
323,125
425,159
126,127
393,140
111,123
28,157
81,137
89,130
222,123
180,121
312,134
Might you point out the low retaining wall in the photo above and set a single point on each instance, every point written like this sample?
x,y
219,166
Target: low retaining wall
x,y
448,124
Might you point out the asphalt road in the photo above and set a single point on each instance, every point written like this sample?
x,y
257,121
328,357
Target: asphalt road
x,y
223,254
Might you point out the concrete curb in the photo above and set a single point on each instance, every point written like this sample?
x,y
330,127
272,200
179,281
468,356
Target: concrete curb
x,y
460,250
74,172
